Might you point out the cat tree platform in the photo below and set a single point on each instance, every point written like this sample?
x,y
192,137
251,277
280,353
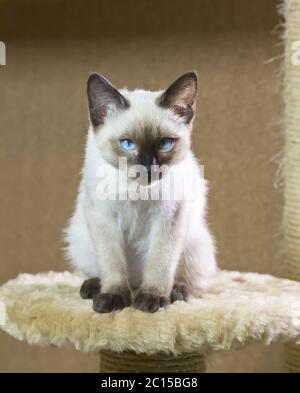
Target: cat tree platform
x,y
46,309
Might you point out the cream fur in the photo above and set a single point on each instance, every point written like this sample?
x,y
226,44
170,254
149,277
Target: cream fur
x,y
240,308
141,244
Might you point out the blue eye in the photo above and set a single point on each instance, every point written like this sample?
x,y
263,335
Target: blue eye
x,y
166,144
127,144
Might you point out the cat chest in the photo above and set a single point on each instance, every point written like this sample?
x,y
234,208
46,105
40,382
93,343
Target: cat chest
x,y
135,223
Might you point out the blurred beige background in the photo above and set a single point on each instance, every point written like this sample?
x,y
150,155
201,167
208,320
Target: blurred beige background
x,y
51,48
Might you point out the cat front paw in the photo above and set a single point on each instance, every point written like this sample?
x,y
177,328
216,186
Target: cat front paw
x,y
149,302
107,302
90,288
179,292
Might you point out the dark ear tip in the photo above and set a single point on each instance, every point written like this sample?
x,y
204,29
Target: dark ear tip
x,y
193,74
95,76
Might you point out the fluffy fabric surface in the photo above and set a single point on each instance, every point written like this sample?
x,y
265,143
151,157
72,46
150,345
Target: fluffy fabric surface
x,y
241,307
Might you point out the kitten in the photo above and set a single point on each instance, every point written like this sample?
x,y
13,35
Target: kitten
x,y
144,252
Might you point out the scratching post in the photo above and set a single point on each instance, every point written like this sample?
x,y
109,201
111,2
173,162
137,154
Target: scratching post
x,y
130,362
292,159
240,308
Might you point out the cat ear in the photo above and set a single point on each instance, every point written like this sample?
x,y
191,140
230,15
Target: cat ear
x,y
181,95
103,98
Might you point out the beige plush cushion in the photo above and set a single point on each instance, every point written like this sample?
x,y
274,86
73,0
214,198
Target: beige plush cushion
x,y
46,309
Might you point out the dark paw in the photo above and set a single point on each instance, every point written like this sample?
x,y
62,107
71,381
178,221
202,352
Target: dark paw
x,y
90,288
146,301
179,292
107,302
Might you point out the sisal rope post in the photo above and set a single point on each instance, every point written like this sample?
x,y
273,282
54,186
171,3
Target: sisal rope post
x,y
292,159
130,362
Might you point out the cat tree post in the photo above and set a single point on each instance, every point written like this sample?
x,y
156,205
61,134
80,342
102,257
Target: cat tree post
x,y
242,308
292,158
128,362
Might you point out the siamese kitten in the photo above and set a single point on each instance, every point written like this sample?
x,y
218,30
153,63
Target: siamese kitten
x,y
140,251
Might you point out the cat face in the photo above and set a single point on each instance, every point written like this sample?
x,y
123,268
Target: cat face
x,y
149,129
